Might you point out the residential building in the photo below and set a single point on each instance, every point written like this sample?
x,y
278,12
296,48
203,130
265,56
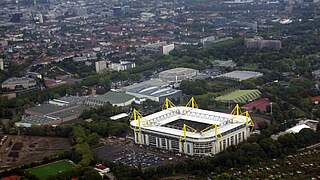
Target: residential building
x,y
1,64
260,43
101,66
122,66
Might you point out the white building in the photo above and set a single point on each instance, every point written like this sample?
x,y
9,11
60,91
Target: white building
x,y
1,65
207,132
157,48
166,49
178,74
122,66
101,66
296,129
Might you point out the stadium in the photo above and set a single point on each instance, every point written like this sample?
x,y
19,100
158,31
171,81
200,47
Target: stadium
x,y
191,131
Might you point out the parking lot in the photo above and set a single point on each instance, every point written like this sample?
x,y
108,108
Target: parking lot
x,y
126,152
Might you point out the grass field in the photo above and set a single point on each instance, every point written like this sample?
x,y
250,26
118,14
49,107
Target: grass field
x,y
44,171
240,96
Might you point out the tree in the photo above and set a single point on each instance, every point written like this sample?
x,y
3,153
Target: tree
x,y
90,174
270,147
287,142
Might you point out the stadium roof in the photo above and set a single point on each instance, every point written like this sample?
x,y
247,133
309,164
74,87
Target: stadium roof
x,y
240,96
155,122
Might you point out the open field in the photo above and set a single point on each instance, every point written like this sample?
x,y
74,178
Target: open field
x,y
19,150
44,171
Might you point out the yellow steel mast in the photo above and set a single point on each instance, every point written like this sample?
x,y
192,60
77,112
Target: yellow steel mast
x,y
183,138
237,112
216,128
192,103
167,104
136,116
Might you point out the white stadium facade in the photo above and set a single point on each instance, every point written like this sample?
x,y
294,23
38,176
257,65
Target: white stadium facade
x,y
191,131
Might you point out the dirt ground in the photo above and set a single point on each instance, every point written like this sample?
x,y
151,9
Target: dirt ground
x,y
19,150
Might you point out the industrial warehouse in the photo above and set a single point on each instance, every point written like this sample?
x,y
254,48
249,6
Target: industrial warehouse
x,y
191,131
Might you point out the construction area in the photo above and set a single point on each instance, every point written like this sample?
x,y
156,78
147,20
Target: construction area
x,y
19,150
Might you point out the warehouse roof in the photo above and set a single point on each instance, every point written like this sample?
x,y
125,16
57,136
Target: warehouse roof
x,y
144,84
113,97
155,88
241,75
74,112
45,108
177,71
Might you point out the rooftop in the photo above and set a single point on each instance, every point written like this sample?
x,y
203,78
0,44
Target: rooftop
x,y
114,97
177,71
17,80
241,75
260,104
297,128
155,88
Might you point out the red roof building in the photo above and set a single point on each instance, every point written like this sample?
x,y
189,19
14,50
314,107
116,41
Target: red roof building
x,y
11,178
260,104
315,99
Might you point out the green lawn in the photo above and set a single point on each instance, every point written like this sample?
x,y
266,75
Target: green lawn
x,y
44,171
240,96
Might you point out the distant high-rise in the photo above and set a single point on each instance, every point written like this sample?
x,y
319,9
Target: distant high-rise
x,y
260,43
1,65
100,66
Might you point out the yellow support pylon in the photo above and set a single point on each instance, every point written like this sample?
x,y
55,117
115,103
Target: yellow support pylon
x,y
216,128
136,116
249,121
192,103
236,110
184,134
167,104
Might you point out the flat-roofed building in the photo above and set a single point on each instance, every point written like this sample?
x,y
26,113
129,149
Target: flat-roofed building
x,y
155,90
112,97
15,83
240,75
53,112
178,74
